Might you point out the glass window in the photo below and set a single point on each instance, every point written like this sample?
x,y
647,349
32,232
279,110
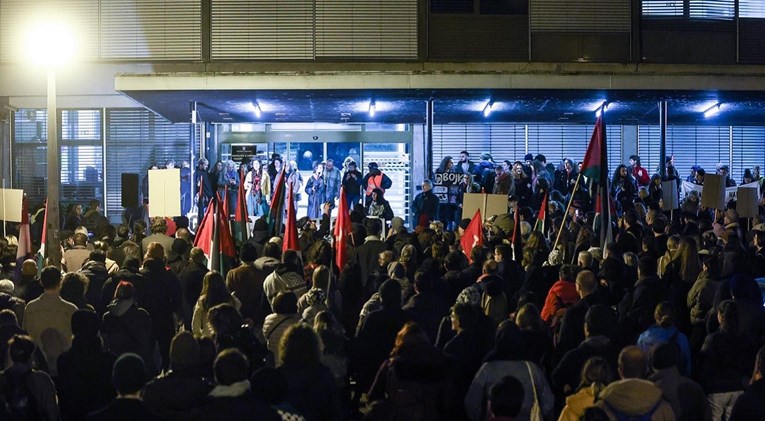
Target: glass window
x,y
451,6
663,8
81,125
504,7
712,9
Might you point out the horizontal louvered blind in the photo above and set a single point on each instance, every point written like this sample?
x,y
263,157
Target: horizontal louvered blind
x,y
81,155
751,8
580,15
502,141
662,8
560,141
136,139
705,146
151,30
712,9
649,147
366,29
17,17
752,40
748,150
262,29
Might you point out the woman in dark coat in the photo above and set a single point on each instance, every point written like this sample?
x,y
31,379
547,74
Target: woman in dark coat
x,y
316,189
127,328
311,386
378,206
416,378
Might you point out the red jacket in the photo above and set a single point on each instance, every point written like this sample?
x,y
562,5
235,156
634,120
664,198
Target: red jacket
x,y
640,175
562,294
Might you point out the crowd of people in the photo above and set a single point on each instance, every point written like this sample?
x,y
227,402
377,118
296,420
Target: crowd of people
x,y
665,322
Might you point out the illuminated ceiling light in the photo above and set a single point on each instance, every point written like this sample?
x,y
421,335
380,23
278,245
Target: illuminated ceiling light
x,y
713,110
256,109
488,107
603,107
372,107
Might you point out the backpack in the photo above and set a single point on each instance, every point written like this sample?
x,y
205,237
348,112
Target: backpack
x,y
16,400
557,320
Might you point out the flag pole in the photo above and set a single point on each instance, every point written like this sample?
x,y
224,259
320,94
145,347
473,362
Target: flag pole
x,y
565,214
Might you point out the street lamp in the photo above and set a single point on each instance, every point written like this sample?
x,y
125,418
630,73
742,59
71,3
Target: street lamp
x,y
51,45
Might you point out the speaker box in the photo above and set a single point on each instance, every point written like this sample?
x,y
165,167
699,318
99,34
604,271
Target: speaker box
x,y
129,190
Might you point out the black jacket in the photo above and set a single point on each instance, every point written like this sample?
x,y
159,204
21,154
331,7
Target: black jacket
x,y
637,307
176,394
572,325
569,369
750,405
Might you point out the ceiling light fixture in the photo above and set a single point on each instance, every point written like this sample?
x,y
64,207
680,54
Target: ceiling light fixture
x,y
603,107
372,107
713,110
487,108
256,107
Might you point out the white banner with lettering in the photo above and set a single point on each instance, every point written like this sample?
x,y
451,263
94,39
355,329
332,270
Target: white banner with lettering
x,y
730,192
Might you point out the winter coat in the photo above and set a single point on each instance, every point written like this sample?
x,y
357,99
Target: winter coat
x,y
656,335
686,397
701,298
578,402
312,391
176,393
283,281
492,372
127,328
634,398
562,295
274,328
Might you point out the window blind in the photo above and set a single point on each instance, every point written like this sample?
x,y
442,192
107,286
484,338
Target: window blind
x,y
151,30
712,9
136,139
662,8
366,29
751,9
747,150
705,146
262,29
580,15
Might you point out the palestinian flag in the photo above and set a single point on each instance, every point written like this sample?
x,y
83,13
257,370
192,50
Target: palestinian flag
x,y
342,231
276,212
517,239
239,228
595,167
290,227
41,254
24,250
215,240
541,216
473,235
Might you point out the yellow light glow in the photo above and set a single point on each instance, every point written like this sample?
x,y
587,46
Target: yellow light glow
x,y
50,43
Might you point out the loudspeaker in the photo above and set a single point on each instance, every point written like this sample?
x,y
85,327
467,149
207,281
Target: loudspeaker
x,y
129,190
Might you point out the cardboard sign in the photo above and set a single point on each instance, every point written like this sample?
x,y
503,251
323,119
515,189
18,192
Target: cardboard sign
x,y
10,204
165,193
747,202
713,192
490,204
670,195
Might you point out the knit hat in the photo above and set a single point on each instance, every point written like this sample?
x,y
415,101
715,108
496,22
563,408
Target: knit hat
x,y
486,156
396,270
131,263
97,256
731,215
184,351
6,286
464,223
129,373
528,157
260,225
397,223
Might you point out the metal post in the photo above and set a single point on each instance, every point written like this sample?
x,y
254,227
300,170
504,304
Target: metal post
x,y
663,139
429,140
53,243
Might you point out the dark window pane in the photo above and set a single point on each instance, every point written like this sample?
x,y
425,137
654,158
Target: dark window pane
x,y
504,7
451,6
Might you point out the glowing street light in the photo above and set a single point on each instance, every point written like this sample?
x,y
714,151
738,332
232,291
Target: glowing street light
x,y
51,45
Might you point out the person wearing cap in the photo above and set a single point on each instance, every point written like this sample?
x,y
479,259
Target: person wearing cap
x,y
692,176
352,183
375,179
638,172
698,178
724,171
483,169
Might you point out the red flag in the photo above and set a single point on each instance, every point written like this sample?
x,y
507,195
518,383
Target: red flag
x,y
24,250
342,231
240,213
206,233
473,235
215,240
276,212
517,240
595,166
541,216
290,228
41,255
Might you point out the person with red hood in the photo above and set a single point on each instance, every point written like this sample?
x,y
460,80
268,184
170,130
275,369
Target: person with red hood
x,y
562,294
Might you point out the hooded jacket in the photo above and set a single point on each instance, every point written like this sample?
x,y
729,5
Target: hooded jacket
x,y
634,398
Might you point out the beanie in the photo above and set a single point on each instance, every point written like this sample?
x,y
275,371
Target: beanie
x,y
129,373
184,351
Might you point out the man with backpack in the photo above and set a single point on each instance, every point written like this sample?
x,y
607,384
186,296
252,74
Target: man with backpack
x,y
25,393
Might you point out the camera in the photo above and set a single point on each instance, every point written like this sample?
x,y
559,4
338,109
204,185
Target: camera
x,y
316,138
